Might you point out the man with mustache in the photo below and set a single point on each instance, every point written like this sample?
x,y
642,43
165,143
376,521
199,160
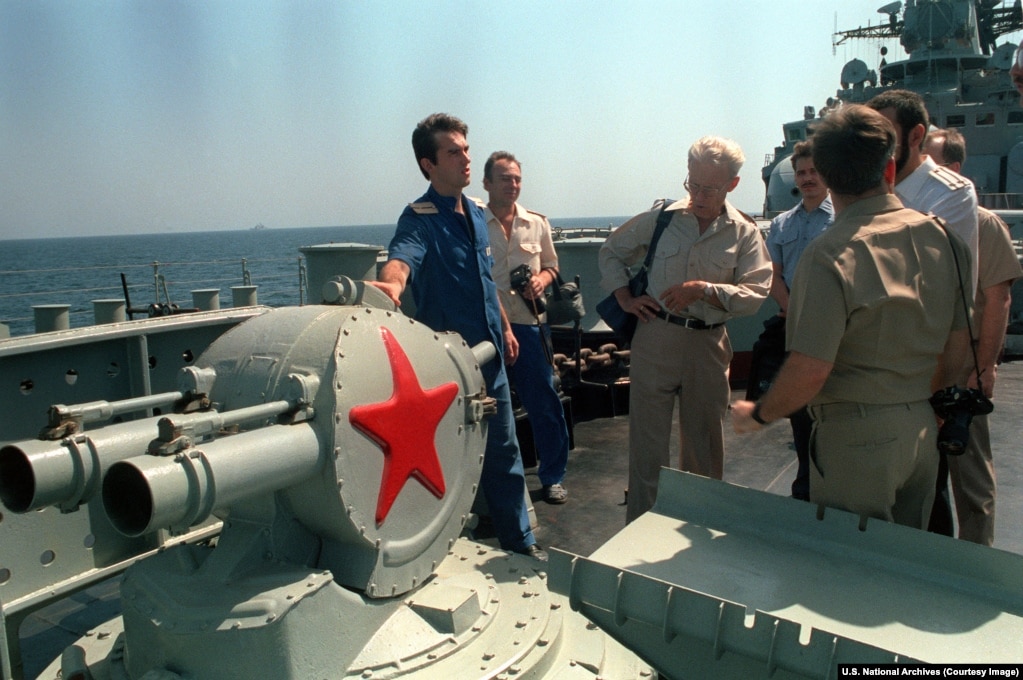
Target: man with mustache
x,y
790,233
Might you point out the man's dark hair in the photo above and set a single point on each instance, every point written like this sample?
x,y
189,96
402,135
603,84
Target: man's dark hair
x,y
910,109
488,167
851,149
424,137
801,150
953,149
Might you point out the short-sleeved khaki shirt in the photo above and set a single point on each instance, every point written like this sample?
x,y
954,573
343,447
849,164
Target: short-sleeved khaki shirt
x,y
998,260
730,255
877,295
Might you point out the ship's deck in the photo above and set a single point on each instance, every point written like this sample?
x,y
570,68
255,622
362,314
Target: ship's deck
x,y
598,473
596,482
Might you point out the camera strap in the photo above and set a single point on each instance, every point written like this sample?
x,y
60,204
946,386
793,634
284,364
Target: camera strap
x,y
966,305
545,339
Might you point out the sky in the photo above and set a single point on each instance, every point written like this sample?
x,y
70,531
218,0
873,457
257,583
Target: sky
x,y
158,116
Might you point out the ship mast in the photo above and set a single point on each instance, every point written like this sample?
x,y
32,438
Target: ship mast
x,y
992,23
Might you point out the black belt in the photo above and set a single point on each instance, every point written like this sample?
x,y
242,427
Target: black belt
x,y
694,324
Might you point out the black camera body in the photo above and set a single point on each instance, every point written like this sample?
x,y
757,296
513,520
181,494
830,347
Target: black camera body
x,y
956,407
520,277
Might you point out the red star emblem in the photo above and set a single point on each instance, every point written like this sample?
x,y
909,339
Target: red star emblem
x,y
405,426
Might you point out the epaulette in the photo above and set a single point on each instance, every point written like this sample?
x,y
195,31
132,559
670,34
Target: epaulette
x,y
953,180
424,208
478,201
749,218
533,212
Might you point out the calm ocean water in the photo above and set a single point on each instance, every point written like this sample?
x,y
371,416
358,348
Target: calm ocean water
x,y
76,271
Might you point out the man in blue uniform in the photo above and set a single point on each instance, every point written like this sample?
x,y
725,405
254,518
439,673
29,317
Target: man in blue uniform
x,y
441,249
790,233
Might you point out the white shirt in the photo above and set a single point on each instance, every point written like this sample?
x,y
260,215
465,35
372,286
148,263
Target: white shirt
x,y
529,243
939,191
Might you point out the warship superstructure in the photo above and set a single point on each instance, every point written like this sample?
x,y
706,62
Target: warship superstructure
x,y
955,61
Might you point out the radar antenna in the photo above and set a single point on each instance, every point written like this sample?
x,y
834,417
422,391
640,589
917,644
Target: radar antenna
x,y
893,29
994,22
891,9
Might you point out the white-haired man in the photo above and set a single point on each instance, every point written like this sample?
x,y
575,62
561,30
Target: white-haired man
x,y
710,265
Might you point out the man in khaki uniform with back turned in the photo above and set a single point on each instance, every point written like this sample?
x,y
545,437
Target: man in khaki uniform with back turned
x,y
876,324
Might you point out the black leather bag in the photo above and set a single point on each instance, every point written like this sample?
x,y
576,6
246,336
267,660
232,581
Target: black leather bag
x,y
620,321
767,357
564,303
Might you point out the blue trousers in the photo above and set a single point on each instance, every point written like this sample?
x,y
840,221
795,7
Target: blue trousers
x,y
533,378
503,480
802,427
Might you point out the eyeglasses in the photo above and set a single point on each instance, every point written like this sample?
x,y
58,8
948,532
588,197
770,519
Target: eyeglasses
x,y
707,191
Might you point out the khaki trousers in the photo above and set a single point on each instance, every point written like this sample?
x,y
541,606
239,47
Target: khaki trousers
x,y
973,484
671,364
875,460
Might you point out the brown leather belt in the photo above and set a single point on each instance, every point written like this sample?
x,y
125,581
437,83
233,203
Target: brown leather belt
x,y
694,324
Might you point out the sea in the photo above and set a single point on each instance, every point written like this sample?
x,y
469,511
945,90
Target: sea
x,y
164,269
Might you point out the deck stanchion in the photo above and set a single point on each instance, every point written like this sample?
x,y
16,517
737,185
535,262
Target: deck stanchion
x,y
111,310
52,317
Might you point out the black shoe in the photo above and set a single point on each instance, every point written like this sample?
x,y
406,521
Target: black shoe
x,y
534,551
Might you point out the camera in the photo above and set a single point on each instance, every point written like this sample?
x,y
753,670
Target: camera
x,y
956,407
520,277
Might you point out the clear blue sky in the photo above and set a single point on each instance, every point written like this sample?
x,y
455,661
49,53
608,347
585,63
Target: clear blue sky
x,y
155,116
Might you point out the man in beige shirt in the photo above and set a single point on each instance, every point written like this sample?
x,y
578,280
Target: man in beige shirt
x,y
973,473
523,237
709,266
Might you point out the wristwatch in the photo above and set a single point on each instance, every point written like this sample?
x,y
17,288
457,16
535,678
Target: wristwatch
x,y
756,414
708,291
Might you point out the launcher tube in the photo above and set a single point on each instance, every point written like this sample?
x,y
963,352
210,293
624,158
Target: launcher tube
x,y
36,474
147,493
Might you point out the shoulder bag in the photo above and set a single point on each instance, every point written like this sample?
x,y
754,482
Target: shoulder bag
x,y
565,303
623,323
